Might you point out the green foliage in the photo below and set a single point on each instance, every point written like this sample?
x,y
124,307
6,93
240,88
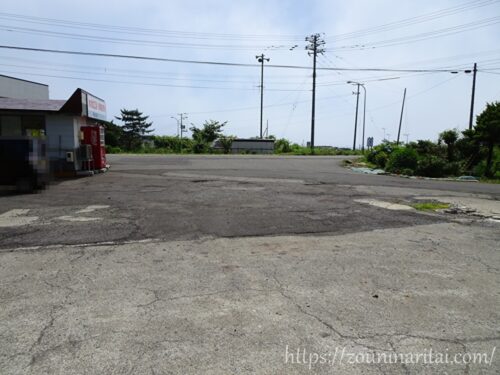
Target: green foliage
x,y
430,206
113,150
203,137
488,132
380,159
226,142
449,137
172,144
452,169
113,134
283,146
468,149
134,128
431,166
402,158
426,147
379,154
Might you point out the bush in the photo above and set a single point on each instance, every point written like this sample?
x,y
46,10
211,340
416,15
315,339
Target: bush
x,y
379,154
402,158
113,150
380,159
282,146
431,166
452,169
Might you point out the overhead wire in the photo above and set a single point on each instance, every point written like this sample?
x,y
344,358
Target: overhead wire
x,y
412,20
421,36
205,62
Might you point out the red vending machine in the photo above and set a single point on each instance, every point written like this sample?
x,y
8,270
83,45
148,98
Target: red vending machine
x,y
94,136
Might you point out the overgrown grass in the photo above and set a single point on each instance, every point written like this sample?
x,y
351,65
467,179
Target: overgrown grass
x,y
490,180
430,206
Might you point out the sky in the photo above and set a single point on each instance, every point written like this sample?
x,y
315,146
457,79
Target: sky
x,y
358,34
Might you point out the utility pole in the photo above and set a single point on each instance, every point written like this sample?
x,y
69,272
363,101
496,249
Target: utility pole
x,y
183,117
314,47
261,59
401,117
472,96
356,117
383,139
364,118
406,135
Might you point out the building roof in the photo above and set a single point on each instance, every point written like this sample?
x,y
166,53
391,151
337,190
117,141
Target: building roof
x,y
253,140
31,105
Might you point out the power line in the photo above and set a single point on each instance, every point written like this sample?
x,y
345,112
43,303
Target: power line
x,y
183,34
144,83
146,31
154,73
422,36
412,20
140,42
106,73
221,63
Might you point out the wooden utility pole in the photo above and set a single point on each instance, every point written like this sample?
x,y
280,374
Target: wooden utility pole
x,y
314,47
261,59
471,117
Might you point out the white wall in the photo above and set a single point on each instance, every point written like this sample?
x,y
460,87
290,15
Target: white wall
x,y
19,89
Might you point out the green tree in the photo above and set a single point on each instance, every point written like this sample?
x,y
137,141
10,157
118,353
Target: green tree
x,y
488,131
204,136
113,134
135,127
449,137
226,142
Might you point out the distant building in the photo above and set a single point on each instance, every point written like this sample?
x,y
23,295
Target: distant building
x,y
249,146
16,88
74,137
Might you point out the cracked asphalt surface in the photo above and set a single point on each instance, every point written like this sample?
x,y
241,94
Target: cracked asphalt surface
x,y
215,264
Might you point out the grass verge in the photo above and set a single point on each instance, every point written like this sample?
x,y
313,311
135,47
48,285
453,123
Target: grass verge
x,y
430,206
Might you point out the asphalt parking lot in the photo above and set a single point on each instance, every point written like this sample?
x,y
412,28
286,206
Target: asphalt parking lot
x,y
227,264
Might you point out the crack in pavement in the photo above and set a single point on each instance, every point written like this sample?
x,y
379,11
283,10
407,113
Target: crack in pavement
x,y
390,336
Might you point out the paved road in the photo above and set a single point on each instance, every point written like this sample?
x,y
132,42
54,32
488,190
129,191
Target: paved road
x,y
213,264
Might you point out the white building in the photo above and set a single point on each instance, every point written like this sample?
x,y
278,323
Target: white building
x,y
26,110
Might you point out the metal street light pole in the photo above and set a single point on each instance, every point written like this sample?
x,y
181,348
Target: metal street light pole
x,y
364,114
177,120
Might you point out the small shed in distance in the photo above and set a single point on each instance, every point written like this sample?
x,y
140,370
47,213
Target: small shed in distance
x,y
249,146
